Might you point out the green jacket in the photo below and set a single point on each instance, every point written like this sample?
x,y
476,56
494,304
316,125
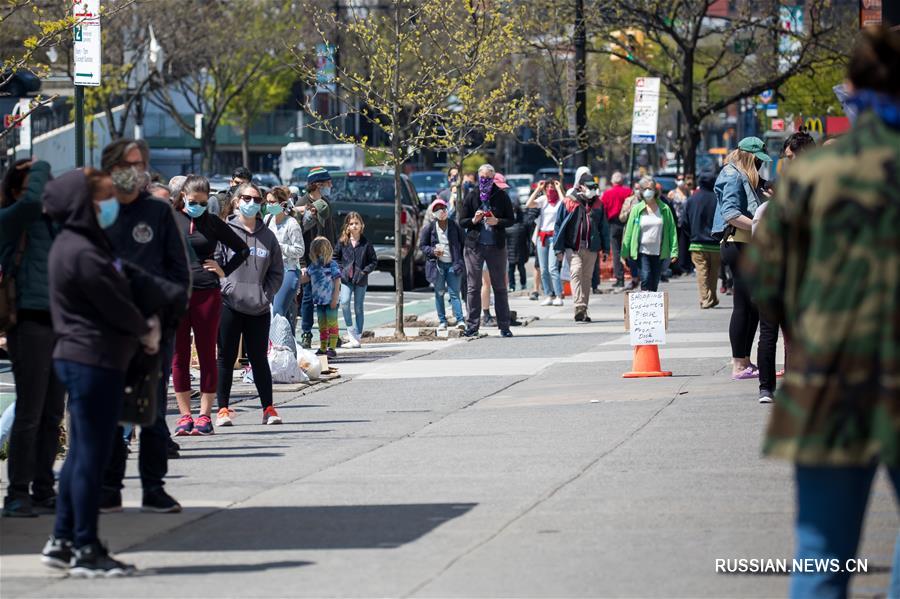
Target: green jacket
x,y
26,215
826,260
631,239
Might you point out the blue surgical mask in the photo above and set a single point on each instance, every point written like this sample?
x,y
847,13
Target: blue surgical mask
x,y
109,212
195,210
648,194
325,191
249,209
274,209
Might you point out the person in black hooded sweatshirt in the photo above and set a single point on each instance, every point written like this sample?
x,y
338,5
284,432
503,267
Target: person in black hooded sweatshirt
x,y
99,329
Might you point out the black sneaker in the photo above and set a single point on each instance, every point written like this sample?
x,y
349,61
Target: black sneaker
x,y
579,317
159,502
57,553
110,501
19,507
766,396
506,333
470,332
306,340
321,352
44,505
94,561
331,353
488,321
534,296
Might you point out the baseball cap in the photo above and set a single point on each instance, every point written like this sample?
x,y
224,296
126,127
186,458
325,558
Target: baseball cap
x,y
437,205
755,146
500,181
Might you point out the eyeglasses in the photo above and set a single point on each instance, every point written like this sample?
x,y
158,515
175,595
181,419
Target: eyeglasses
x,y
254,199
136,164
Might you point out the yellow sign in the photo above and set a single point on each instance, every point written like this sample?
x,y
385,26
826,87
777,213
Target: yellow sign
x,y
814,125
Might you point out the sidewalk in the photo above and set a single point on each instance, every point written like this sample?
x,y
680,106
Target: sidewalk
x,y
522,467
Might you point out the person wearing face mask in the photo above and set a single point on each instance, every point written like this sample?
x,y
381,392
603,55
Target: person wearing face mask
x,y
737,198
247,295
650,238
28,235
485,213
290,237
314,209
99,329
204,232
581,227
146,232
442,241
546,198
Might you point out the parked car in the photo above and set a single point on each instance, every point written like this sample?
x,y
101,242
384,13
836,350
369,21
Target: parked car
x,y
267,180
371,194
521,183
428,184
551,172
219,183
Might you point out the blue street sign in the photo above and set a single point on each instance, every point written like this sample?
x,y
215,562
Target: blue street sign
x,y
643,139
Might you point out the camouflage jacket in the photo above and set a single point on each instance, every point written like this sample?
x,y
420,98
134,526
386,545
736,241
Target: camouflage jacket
x,y
826,260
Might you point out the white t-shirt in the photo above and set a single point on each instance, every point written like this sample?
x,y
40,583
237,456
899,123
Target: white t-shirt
x,y
444,240
547,220
651,232
758,215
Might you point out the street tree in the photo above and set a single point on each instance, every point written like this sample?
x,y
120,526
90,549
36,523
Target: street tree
x,y
400,68
709,61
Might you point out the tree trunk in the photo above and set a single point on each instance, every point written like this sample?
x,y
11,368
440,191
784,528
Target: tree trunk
x,y
580,43
687,109
398,238
692,143
208,146
245,146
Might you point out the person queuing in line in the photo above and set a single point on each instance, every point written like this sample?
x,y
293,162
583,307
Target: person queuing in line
x,y
484,215
634,267
581,227
486,319
824,261
793,146
175,185
99,329
34,437
221,203
650,238
325,283
160,191
357,259
442,241
289,234
517,246
247,295
317,219
613,199
699,210
736,201
545,198
147,234
204,232
684,187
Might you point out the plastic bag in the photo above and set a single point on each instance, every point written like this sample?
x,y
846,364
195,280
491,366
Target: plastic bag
x,y
284,366
310,363
280,333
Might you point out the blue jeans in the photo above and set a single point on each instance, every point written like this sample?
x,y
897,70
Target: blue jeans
x,y
447,281
831,506
306,309
550,281
651,269
358,293
95,402
286,296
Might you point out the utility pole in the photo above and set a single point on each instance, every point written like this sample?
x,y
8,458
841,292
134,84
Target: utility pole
x,y
580,42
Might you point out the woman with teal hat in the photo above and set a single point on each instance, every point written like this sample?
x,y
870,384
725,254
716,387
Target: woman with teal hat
x,y
737,198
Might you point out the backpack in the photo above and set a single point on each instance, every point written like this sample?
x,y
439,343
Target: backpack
x,y
8,288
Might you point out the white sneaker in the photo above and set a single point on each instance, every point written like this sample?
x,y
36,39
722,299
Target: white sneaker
x,y
354,336
548,301
352,344
461,325
442,326
225,417
558,301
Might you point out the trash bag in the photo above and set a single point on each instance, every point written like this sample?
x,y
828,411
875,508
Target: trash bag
x,y
284,366
280,333
310,363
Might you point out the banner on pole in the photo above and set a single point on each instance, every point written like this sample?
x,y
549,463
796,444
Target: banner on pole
x,y
645,117
87,46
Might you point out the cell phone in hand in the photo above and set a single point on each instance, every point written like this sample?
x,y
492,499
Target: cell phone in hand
x,y
488,214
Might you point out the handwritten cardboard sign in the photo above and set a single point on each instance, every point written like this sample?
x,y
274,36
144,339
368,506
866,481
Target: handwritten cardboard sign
x,y
647,316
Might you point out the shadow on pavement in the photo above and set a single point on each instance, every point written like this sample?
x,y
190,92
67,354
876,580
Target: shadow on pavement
x,y
276,430
263,454
218,568
312,527
208,447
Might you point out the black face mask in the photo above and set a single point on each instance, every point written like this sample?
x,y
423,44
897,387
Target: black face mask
x,y
468,186
758,163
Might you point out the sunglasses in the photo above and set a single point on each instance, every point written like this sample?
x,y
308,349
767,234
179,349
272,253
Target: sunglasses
x,y
254,199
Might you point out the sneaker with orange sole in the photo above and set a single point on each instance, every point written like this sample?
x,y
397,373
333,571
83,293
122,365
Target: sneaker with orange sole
x,y
270,416
185,426
225,417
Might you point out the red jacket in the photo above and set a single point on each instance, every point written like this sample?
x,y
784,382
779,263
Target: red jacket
x,y
613,199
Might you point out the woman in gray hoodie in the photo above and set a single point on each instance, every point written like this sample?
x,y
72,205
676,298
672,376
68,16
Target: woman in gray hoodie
x,y
247,295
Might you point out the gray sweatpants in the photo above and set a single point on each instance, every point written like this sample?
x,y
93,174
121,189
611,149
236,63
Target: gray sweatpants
x,y
475,258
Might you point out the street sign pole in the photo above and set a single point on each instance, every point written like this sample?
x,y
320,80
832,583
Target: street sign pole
x,y
79,126
631,167
645,117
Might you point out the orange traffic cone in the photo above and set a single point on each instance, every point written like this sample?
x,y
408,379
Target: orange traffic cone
x,y
646,363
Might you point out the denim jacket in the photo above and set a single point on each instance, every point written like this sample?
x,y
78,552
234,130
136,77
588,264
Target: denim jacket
x,y
734,197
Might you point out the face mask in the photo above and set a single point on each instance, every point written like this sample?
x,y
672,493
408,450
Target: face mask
x,y
440,214
248,209
467,186
274,209
195,210
109,211
325,191
126,180
648,194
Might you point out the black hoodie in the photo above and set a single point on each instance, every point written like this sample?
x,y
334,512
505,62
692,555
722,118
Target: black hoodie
x,y
94,315
699,210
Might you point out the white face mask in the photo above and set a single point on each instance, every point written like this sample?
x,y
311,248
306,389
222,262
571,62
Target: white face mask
x,y
648,194
440,214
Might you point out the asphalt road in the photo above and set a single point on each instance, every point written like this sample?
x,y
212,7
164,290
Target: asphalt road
x,y
522,467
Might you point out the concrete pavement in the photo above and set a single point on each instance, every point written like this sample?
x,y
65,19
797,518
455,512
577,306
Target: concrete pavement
x,y
521,467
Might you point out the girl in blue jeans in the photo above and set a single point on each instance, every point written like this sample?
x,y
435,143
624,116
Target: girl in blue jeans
x,y
357,259
442,243
290,238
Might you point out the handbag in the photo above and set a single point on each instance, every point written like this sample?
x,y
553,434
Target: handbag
x,y
142,389
8,288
